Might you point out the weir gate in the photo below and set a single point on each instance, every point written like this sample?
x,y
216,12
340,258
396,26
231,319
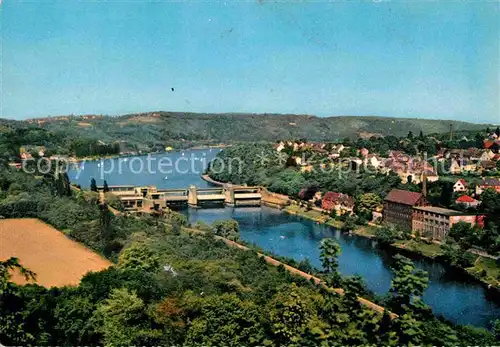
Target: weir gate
x,y
152,198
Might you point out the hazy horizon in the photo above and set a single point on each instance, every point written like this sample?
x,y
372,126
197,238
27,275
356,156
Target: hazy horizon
x,y
263,114
428,60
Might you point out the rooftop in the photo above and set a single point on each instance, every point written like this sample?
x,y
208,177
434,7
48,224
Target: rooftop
x,y
490,181
442,211
466,198
403,197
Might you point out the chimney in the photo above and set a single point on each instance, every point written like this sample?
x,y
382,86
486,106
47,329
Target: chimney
x,y
451,132
424,183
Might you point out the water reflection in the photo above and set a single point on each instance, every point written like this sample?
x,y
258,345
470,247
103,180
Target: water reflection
x,y
450,293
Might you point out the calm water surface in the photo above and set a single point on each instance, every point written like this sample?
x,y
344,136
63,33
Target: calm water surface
x,y
450,293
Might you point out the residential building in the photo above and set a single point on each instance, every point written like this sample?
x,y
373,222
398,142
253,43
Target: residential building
x,y
462,165
373,160
442,154
409,168
475,154
435,222
338,147
299,161
431,176
488,183
16,165
335,151
26,156
280,146
467,201
488,165
363,152
487,155
341,203
398,207
460,186
306,168
493,145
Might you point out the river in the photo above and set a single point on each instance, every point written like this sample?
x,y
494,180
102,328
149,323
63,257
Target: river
x,y
450,293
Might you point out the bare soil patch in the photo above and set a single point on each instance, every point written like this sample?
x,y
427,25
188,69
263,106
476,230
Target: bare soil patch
x,y
84,124
56,260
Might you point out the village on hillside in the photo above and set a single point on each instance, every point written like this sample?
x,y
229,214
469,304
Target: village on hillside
x,y
467,172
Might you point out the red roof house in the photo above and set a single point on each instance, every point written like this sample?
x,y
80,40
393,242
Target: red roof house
x,y
488,182
467,201
339,202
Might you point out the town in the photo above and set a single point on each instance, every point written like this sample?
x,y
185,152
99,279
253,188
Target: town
x,y
472,168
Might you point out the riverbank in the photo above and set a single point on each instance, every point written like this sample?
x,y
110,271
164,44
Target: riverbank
x,y
484,270
294,271
128,155
208,179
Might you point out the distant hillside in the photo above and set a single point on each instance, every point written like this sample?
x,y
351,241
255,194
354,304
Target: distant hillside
x,y
155,127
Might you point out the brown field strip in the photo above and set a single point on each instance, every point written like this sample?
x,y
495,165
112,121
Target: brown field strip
x,y
56,260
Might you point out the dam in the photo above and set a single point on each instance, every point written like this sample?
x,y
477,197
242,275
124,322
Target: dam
x,y
135,198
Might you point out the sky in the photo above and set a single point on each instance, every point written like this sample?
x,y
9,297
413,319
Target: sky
x,y
425,59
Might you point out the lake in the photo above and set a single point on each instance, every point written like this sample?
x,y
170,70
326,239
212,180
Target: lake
x,y
450,293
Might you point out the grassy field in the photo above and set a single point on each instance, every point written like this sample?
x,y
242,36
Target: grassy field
x,y
311,214
56,260
366,230
487,270
429,250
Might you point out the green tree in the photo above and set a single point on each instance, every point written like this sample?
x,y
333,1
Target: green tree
x,y
388,234
409,329
464,234
62,184
13,264
139,257
366,203
72,315
349,224
289,316
455,255
106,228
123,320
225,320
353,287
176,219
229,229
408,283
445,199
490,204
114,201
496,329
330,251
93,185
105,187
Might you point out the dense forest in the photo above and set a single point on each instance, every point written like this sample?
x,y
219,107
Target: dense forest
x,y
173,286
16,138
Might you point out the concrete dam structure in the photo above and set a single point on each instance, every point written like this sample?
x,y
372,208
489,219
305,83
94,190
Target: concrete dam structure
x,y
152,198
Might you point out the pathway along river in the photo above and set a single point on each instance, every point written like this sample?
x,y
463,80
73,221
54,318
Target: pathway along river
x,y
450,293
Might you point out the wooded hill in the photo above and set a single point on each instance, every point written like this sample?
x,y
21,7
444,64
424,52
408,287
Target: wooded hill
x,y
149,128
